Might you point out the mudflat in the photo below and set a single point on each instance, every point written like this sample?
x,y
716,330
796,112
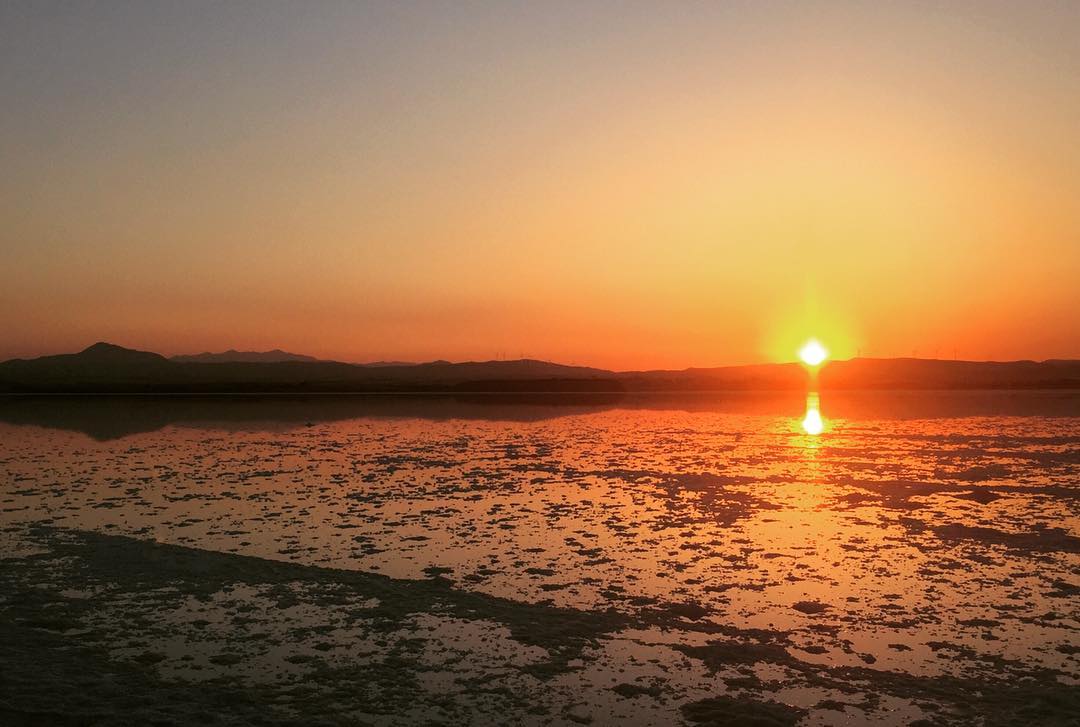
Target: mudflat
x,y
696,562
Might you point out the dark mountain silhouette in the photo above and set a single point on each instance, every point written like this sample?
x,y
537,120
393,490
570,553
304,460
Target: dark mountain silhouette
x,y
866,373
106,368
760,377
234,356
912,373
102,353
100,367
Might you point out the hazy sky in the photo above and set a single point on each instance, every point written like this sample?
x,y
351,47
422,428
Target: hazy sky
x,y
620,184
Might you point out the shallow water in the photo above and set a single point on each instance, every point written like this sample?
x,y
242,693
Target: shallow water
x,y
545,560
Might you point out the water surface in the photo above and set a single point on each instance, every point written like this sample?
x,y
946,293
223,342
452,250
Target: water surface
x,y
545,560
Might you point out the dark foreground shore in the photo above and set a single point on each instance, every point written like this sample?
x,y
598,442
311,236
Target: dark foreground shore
x,y
92,622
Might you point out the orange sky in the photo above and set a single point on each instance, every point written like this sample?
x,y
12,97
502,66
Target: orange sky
x,y
628,186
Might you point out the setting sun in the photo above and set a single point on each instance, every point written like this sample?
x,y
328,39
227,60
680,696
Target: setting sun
x,y
813,353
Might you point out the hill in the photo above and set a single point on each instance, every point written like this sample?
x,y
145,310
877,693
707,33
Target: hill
x,y
106,368
912,373
234,356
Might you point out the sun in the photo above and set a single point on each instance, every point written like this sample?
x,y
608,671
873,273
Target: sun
x,y
813,353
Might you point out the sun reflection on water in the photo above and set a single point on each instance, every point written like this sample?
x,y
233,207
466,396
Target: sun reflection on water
x,y
812,423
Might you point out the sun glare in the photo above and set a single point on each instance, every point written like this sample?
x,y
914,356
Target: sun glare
x,y
813,353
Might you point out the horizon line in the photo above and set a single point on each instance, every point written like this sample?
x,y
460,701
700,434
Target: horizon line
x,y
388,363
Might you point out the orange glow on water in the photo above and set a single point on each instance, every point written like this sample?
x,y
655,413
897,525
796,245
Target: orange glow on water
x,y
812,423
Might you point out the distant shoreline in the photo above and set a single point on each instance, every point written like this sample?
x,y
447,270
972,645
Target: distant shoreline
x,y
112,370
504,394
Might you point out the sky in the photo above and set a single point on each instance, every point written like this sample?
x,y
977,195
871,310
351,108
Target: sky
x,y
626,185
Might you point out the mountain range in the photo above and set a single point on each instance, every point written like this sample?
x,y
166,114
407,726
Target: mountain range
x,y
107,368
234,356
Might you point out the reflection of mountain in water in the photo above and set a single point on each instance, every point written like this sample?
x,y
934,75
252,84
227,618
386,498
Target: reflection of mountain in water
x,y
110,417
